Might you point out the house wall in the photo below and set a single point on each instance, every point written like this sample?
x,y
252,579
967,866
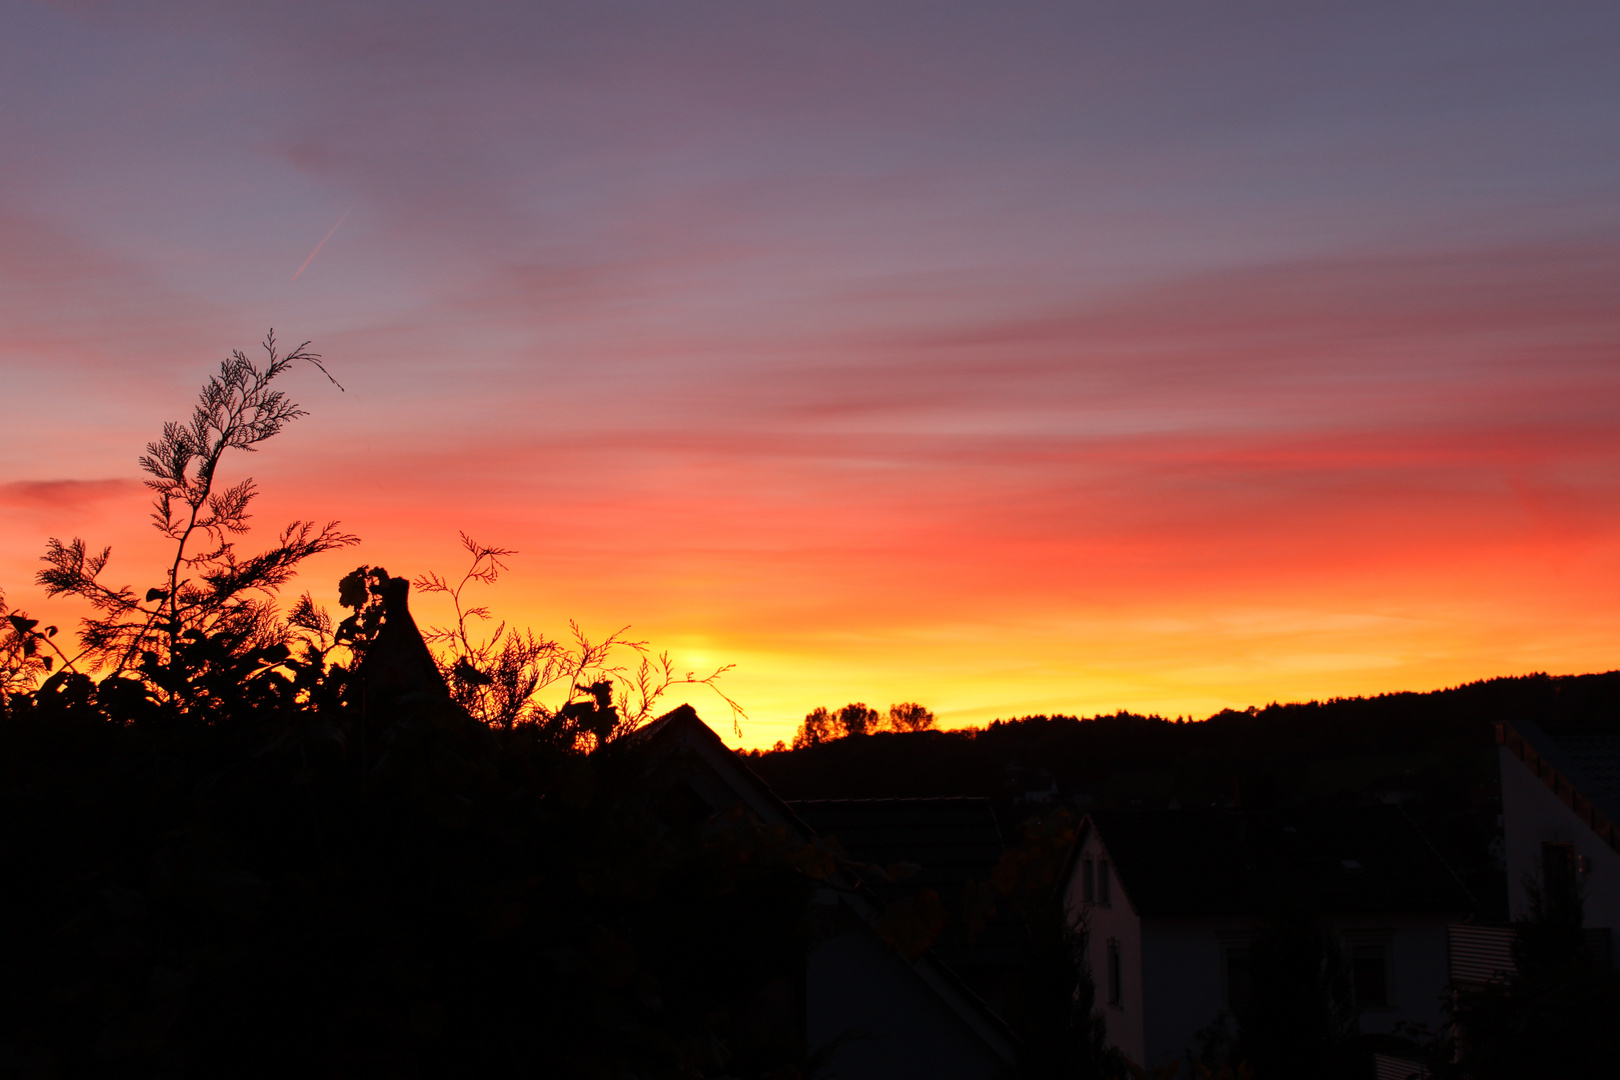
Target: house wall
x,y
1115,921
1181,965
1419,968
886,1023
1532,815
1182,974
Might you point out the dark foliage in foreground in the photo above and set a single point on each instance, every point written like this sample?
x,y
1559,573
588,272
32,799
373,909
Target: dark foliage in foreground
x,y
267,845
1052,1005
1301,1021
1558,1016
293,883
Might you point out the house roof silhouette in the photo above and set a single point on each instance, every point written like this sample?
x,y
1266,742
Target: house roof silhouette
x,y
690,769
954,843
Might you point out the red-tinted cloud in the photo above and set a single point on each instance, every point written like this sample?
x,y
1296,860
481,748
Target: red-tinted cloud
x,y
62,494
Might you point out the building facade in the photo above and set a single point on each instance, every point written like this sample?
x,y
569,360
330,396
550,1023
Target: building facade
x,y
1174,900
1560,803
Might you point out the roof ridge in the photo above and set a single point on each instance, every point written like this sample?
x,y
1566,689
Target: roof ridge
x,y
1541,753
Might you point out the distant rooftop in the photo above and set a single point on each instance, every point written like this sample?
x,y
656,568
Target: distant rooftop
x,y
1581,765
1598,758
951,840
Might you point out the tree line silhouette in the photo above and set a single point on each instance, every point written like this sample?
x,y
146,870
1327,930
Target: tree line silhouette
x,y
857,718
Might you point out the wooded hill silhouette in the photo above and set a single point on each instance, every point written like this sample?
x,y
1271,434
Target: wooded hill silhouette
x,y
1431,753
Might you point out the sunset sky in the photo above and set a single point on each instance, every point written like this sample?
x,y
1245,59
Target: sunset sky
x,y
1006,357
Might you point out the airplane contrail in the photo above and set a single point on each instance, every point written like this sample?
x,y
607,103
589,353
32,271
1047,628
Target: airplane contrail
x,y
322,244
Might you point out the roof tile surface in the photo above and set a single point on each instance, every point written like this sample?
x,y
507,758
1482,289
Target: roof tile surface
x,y
952,841
1338,861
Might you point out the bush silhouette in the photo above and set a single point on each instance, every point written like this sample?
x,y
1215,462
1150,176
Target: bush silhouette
x,y
241,843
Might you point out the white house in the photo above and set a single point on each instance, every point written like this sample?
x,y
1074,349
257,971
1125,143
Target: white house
x,y
1174,898
1560,806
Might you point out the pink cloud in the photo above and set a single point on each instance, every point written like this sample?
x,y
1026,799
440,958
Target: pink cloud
x,y
72,495
71,301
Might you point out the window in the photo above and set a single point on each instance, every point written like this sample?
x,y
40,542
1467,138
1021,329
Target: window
x,y
1103,887
1369,975
1088,880
1116,994
1239,979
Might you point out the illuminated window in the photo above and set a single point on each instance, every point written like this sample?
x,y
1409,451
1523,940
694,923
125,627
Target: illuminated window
x,y
1116,993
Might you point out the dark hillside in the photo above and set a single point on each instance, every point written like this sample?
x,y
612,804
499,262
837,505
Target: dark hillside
x,y
1433,754
1011,756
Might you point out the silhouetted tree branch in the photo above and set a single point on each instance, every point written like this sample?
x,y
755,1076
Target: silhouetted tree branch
x,y
207,588
608,687
26,652
272,846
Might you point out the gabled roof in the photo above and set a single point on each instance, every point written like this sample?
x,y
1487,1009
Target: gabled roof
x,y
952,841
1581,767
1352,860
399,662
724,779
682,731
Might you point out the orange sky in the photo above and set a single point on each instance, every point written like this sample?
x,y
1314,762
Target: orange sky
x,y
1009,362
